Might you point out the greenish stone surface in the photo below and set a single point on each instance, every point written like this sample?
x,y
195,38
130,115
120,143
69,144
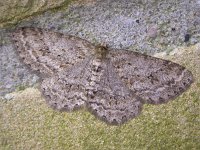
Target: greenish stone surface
x,y
12,11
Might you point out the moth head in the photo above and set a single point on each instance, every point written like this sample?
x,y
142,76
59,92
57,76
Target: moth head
x,y
101,51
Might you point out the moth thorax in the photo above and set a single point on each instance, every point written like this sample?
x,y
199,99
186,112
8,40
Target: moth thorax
x,y
101,51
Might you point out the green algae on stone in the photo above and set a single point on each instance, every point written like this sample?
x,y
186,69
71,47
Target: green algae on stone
x,y
20,87
14,11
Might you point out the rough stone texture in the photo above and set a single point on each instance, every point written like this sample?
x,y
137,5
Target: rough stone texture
x,y
145,26
13,11
12,73
149,27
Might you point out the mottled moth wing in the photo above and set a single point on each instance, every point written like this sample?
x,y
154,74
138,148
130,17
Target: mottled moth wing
x,y
108,97
49,52
154,80
66,90
112,84
92,84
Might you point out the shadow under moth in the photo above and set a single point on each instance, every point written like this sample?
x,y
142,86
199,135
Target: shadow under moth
x,y
112,84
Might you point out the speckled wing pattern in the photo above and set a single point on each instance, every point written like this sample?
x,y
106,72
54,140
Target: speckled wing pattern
x,y
112,84
155,80
48,52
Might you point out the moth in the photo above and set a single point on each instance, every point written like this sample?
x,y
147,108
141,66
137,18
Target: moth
x,y
112,84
